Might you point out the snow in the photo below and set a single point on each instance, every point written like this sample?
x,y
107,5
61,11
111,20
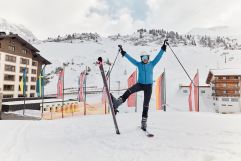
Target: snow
x,y
226,71
178,136
86,53
21,30
217,31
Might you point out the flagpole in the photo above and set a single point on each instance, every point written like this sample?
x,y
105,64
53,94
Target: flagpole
x,y
198,89
85,90
42,88
136,93
63,94
165,96
24,88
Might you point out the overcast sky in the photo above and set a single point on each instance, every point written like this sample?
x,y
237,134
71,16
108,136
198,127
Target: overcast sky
x,y
58,17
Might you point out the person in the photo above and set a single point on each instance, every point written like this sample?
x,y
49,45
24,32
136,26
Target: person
x,y
144,83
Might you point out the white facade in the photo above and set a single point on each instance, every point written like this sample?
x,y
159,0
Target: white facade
x,y
226,104
15,93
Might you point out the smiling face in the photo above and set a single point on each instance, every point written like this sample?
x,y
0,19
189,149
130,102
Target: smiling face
x,y
145,59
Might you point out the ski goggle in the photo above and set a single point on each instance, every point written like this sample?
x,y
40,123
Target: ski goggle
x,y
144,57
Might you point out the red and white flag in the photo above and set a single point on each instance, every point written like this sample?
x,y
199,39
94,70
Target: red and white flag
x,y
81,86
60,84
160,91
190,97
131,102
196,92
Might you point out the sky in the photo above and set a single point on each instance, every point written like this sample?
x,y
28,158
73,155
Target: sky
x,y
50,18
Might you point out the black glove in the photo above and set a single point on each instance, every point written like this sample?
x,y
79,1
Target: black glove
x,y
121,50
164,46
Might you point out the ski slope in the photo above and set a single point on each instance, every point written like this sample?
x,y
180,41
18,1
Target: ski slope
x,y
179,136
86,53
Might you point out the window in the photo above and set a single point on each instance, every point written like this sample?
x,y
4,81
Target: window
x,y
10,58
7,96
234,99
24,61
33,79
9,68
31,94
203,91
34,63
20,78
8,77
185,91
32,87
24,51
19,89
22,68
20,95
225,99
11,48
34,71
8,87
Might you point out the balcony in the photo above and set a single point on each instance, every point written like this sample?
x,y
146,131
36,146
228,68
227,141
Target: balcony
x,y
226,94
226,88
225,81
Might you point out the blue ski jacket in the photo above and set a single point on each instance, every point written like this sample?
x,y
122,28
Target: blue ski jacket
x,y
145,71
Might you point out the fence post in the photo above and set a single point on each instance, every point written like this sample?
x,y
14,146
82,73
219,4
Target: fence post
x,y
1,97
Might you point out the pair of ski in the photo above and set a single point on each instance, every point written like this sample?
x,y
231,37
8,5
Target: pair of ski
x,y
100,63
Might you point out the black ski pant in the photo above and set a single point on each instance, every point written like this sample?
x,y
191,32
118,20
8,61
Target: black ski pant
x,y
147,88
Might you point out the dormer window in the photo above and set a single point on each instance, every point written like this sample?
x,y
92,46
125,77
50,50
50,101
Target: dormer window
x,y
24,51
11,48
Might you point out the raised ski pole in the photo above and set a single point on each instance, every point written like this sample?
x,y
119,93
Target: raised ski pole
x,y
108,93
166,41
108,73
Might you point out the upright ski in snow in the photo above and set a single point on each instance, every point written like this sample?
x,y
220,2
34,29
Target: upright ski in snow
x,y
108,93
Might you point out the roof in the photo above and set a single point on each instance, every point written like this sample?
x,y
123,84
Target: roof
x,y
28,45
24,42
223,72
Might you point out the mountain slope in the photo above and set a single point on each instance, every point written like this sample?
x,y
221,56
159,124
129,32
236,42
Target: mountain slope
x,y
21,30
217,31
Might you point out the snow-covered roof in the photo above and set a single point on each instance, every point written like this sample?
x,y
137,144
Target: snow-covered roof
x,y
223,72
219,72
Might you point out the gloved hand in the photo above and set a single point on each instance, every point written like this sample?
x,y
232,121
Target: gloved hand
x,y
164,46
121,50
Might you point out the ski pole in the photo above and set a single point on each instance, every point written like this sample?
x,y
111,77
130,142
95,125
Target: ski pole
x,y
180,63
108,73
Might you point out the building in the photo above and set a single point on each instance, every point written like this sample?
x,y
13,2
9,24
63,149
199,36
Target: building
x,y
15,55
225,85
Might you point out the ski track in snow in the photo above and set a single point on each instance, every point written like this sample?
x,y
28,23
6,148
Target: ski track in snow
x,y
178,136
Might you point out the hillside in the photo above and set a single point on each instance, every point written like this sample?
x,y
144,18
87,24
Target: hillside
x,y
21,30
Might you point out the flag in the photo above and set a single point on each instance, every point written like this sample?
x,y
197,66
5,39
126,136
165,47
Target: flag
x,y
160,91
196,92
81,86
131,102
60,84
190,97
39,84
23,86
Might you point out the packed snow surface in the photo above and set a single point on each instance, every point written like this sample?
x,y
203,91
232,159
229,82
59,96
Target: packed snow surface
x,y
179,136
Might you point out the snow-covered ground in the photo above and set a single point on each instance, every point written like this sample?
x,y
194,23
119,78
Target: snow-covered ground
x,y
179,136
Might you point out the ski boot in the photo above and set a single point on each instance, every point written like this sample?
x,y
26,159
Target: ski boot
x,y
116,103
143,123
